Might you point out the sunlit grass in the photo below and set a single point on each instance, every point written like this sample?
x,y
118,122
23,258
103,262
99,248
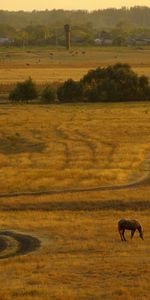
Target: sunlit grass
x,y
49,65
64,146
75,146
81,256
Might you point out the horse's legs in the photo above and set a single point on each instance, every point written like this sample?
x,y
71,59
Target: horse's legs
x,y
132,233
121,234
123,231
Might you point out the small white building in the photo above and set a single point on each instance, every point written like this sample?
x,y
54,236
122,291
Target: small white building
x,y
98,41
5,41
105,42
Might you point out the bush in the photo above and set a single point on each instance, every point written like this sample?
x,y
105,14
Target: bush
x,y
24,91
48,94
115,83
70,91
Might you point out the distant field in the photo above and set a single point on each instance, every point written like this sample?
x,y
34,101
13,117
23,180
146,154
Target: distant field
x,y
66,147
48,65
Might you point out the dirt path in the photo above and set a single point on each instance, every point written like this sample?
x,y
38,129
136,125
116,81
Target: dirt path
x,y
13,243
139,182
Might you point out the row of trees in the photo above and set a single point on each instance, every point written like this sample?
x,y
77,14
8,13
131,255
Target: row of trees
x,y
114,83
46,27
27,91
44,35
82,34
36,35
138,16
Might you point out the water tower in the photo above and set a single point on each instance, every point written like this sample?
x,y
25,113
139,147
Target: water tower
x,y
67,29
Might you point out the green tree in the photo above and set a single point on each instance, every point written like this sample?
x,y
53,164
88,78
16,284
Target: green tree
x,y
70,91
7,31
115,83
49,94
21,38
24,91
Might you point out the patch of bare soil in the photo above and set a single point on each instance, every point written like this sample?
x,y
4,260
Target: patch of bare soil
x,y
13,243
16,144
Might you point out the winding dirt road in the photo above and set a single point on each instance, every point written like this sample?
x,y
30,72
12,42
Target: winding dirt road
x,y
13,243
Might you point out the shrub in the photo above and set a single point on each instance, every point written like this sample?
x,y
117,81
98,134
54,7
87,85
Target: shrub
x,y
70,91
24,91
48,94
115,83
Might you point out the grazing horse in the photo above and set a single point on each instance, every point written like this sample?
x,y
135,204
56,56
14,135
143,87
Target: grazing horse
x,y
131,225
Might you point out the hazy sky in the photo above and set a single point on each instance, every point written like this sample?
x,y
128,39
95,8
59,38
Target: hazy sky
x,y
68,4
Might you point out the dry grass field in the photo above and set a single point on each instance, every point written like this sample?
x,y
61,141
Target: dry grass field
x,y
49,65
69,149
63,146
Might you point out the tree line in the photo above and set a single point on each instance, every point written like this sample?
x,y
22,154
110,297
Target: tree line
x,y
47,27
115,83
138,16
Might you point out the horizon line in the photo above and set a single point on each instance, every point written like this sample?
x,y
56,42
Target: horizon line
x,y
80,9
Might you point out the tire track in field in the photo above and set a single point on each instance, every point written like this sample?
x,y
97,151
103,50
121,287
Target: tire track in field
x,y
139,182
81,138
112,150
144,181
93,146
13,243
85,139
67,153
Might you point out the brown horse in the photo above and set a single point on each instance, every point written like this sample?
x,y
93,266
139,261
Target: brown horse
x,y
131,225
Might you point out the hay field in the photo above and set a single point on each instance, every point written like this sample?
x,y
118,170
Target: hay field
x,y
48,65
80,255
64,146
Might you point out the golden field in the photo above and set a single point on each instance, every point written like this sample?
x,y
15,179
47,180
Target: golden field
x,y
77,146
67,149
57,64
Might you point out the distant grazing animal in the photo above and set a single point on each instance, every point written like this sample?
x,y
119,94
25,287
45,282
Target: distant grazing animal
x,y
131,225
